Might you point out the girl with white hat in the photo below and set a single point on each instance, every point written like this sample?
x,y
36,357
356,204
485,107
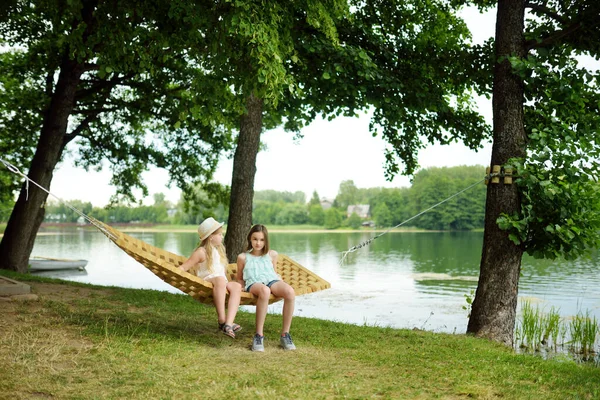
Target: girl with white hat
x,y
209,262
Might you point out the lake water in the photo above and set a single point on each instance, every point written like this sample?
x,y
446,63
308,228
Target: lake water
x,y
402,280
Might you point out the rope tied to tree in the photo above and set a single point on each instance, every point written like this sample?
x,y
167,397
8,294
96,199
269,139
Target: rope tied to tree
x,y
369,241
16,171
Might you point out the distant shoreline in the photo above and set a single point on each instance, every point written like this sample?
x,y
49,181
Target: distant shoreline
x,y
57,229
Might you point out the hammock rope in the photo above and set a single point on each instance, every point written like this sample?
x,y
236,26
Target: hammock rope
x,y
165,264
369,241
16,170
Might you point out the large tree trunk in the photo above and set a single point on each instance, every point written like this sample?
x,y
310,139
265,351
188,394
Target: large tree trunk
x,y
28,213
494,308
242,180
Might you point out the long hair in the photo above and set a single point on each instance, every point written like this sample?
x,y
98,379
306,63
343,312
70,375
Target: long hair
x,y
259,228
208,247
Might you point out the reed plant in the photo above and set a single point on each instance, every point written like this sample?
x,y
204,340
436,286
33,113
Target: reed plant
x,y
587,329
551,326
531,327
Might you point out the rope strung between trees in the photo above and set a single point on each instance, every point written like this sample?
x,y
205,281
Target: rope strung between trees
x,y
16,171
369,241
92,221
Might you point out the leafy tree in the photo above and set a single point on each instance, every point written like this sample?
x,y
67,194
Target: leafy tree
x,y
382,215
434,185
347,194
332,219
257,49
354,221
103,75
316,215
404,59
292,214
202,201
546,126
274,196
61,212
314,200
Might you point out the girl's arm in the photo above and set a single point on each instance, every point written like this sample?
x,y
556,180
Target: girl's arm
x,y
241,263
197,257
273,254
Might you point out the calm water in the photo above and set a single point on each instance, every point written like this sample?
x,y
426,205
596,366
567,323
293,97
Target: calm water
x,y
402,280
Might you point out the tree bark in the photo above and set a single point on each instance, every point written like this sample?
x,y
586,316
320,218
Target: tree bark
x,y
242,180
28,212
494,308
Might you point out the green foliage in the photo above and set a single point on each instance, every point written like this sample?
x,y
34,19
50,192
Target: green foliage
x,y
125,214
202,201
354,221
61,212
408,61
316,215
274,196
347,195
560,196
433,185
382,215
314,200
292,214
333,218
140,100
265,212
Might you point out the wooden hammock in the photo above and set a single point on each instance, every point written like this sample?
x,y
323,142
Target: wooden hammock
x,y
165,265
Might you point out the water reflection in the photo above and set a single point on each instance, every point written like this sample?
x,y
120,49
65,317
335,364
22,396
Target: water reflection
x,y
401,279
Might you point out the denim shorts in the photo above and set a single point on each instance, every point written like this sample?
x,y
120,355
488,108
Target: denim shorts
x,y
268,284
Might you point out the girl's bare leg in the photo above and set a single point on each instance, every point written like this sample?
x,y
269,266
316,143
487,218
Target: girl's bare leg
x,y
219,292
282,289
235,292
262,292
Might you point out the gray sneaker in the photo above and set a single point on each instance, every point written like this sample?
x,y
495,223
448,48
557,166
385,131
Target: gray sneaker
x,y
286,342
257,343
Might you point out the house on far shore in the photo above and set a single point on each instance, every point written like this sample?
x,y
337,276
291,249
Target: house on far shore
x,y
362,210
326,203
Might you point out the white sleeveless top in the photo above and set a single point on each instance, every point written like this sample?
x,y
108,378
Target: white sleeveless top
x,y
217,267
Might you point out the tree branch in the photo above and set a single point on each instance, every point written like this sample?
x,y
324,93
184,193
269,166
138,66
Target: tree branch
x,y
553,37
547,12
50,83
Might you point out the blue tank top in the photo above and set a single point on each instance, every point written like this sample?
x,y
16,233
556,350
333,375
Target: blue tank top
x,y
259,269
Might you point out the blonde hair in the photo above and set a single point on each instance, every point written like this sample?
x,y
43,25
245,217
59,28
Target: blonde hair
x,y
259,228
208,247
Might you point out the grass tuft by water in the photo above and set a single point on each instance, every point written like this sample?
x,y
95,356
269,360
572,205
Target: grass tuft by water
x,y
541,332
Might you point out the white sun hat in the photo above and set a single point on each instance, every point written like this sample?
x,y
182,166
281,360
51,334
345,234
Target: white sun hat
x,y
208,227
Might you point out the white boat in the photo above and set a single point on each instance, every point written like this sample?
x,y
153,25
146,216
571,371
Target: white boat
x,y
52,264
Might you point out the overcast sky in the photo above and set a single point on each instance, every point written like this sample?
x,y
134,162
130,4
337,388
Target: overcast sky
x,y
329,153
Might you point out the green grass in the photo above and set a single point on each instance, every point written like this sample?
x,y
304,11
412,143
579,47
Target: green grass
x,y
88,342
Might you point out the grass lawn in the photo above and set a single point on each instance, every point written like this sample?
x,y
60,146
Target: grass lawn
x,y
90,342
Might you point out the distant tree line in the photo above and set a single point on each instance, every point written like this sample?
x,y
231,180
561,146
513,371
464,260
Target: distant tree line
x,y
387,206
156,213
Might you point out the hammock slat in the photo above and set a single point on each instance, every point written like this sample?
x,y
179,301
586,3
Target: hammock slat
x,y
165,265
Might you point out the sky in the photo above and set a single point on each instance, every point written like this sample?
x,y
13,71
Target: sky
x,y
329,152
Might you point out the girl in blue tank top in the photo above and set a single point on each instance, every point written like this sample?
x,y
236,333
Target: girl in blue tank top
x,y
256,273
